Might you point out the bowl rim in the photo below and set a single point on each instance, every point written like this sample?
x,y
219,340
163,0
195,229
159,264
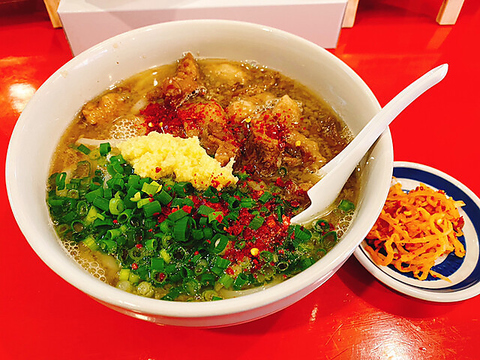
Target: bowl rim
x,y
79,278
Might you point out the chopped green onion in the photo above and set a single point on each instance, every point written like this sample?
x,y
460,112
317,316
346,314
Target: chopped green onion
x,y
346,205
302,234
117,159
124,274
78,226
266,196
181,230
221,262
177,215
164,197
256,222
101,203
151,188
94,154
247,203
151,244
92,195
220,244
115,206
330,238
124,216
142,202
152,208
108,246
216,215
226,280
89,242
165,256
205,210
157,264
191,286
321,225
83,149
105,148
60,180
240,281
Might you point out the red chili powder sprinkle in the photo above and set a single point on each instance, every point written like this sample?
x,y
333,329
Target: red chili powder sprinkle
x,y
279,182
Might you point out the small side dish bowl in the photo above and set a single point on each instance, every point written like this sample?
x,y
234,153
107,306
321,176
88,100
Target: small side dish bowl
x,y
55,104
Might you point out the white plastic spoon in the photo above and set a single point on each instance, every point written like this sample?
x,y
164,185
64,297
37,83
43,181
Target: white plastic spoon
x,y
337,171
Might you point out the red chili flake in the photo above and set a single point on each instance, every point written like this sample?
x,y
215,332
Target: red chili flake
x,y
115,221
158,169
229,271
161,277
281,252
196,253
139,246
134,266
219,218
294,203
271,223
187,209
279,182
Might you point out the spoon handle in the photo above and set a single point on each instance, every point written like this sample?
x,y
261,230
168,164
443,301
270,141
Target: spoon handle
x,y
379,123
337,171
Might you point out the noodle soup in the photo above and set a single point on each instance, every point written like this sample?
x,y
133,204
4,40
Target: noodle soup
x,y
129,208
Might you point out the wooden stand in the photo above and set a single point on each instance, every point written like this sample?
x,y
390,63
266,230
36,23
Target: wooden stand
x,y
52,6
447,15
350,13
449,12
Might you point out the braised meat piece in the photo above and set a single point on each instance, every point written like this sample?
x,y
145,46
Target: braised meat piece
x,y
288,113
106,109
273,138
175,90
208,121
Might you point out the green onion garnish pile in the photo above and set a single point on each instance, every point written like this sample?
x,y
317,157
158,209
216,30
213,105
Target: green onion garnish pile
x,y
173,242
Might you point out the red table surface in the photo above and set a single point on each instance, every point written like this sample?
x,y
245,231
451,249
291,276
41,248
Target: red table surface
x,y
351,316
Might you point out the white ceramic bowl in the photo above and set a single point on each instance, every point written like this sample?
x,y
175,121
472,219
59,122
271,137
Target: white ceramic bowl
x,y
55,104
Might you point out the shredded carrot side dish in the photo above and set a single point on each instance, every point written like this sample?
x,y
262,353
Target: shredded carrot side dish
x,y
416,228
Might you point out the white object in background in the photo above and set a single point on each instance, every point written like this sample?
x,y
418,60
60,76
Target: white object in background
x,y
88,22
